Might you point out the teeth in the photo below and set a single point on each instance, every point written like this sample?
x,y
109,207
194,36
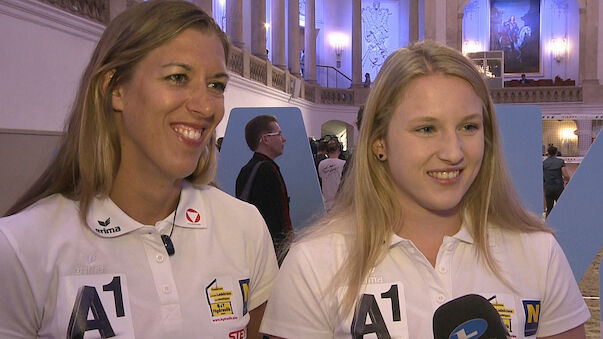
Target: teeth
x,y
445,175
188,132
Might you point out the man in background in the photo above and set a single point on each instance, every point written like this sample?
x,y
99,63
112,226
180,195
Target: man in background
x,y
330,171
260,181
554,172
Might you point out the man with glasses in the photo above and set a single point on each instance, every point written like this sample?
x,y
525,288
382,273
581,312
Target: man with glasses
x,y
260,181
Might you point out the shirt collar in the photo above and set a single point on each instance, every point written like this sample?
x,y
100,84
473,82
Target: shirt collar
x,y
463,235
107,220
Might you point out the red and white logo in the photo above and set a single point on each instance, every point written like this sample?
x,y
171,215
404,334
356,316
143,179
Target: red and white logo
x,y
192,216
240,334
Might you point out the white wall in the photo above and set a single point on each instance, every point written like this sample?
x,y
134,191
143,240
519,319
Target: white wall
x,y
241,92
44,51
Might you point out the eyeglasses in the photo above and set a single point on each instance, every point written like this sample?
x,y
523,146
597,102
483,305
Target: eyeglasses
x,y
279,133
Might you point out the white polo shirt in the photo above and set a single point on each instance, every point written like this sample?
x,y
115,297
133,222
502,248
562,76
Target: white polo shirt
x,y
402,293
60,278
330,171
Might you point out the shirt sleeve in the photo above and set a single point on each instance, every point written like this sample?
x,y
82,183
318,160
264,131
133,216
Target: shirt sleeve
x,y
297,307
563,305
18,310
262,264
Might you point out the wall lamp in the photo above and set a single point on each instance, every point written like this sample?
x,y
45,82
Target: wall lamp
x,y
558,47
338,41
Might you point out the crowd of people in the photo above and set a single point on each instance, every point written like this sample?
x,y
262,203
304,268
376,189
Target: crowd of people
x,y
125,235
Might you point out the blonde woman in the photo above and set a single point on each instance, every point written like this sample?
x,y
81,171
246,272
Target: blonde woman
x,y
122,235
428,214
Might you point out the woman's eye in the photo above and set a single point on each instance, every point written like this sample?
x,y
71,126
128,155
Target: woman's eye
x,y
425,129
471,127
177,78
219,86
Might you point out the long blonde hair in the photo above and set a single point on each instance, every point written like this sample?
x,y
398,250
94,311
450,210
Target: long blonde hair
x,y
369,188
89,155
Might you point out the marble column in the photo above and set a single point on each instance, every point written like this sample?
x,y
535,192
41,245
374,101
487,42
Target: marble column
x,y
357,43
293,35
258,28
205,5
234,22
459,33
310,43
413,21
430,21
585,128
278,34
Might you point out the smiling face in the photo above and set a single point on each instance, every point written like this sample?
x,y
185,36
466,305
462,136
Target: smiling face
x,y
169,108
434,144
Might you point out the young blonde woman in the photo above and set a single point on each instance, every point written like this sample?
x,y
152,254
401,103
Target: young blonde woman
x,y
122,236
427,214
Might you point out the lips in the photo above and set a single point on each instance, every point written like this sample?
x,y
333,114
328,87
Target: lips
x,y
444,175
188,133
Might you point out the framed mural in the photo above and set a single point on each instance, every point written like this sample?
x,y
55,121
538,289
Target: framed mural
x,y
515,29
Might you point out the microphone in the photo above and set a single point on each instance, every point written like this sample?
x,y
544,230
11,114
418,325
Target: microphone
x,y
468,317
169,245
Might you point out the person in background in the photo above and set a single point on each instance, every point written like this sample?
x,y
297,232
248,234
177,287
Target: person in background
x,y
427,214
367,80
321,154
330,171
260,181
555,175
122,235
523,80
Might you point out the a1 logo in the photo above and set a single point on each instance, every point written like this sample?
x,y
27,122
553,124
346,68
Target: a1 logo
x,y
95,306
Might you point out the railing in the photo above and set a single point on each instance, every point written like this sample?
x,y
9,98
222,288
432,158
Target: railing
x,y
331,77
97,10
257,69
522,95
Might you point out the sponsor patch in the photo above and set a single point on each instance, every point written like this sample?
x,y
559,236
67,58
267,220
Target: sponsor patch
x,y
219,295
244,284
94,306
531,308
240,334
505,306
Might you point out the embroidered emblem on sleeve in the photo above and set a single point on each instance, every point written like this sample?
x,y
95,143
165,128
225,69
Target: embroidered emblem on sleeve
x,y
531,308
244,284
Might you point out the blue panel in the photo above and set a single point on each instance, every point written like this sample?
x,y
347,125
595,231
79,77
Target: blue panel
x,y
296,162
576,217
521,134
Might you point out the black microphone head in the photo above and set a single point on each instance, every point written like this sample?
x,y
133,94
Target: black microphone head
x,y
468,317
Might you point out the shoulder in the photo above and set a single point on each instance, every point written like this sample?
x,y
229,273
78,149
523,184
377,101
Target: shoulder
x,y
52,211
324,251
538,246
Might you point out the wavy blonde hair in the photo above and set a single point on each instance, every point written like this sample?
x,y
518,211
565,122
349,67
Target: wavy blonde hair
x,y
89,155
370,190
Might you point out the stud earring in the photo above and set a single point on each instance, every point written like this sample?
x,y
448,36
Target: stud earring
x,y
381,156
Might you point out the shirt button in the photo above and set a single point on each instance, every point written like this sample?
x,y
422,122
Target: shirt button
x,y
440,298
159,258
443,269
167,289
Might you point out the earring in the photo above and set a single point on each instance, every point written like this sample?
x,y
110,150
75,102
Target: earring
x,y
381,156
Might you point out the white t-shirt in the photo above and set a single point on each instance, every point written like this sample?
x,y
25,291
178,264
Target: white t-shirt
x,y
404,290
56,272
330,173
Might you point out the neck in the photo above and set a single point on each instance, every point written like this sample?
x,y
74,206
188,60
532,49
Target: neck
x,y
146,201
427,230
263,151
